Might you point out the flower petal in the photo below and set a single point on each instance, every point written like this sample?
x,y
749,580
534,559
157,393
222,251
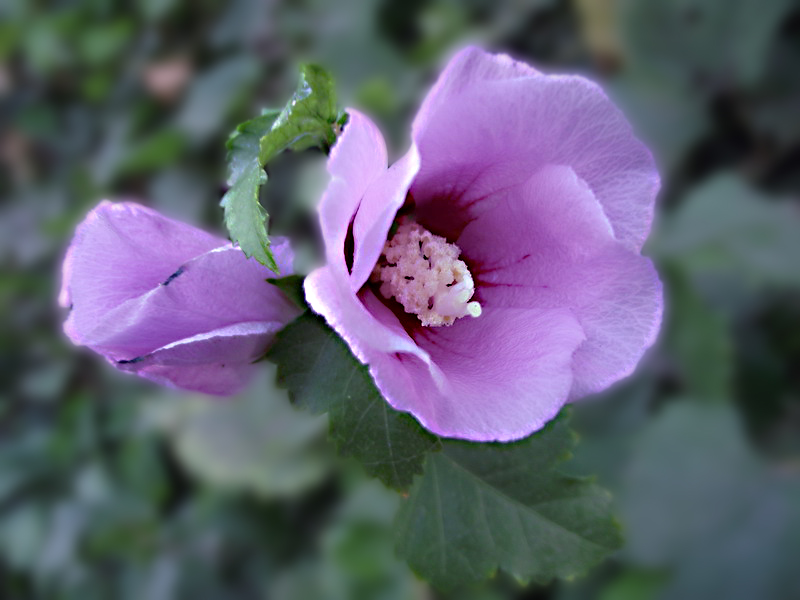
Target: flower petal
x,y
357,159
218,362
469,67
505,374
553,216
120,251
212,291
359,175
493,133
547,245
617,298
620,308
377,211
328,293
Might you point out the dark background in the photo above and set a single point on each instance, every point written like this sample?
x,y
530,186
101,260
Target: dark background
x,y
111,488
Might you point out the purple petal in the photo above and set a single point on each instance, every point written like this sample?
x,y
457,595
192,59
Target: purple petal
x,y
214,290
357,159
376,213
121,251
358,169
329,294
168,301
553,216
548,245
480,133
620,308
469,67
498,378
218,362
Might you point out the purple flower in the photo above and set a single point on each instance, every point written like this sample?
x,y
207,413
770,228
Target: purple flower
x,y
170,302
540,185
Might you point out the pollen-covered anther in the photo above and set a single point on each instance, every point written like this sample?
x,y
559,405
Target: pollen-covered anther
x,y
423,273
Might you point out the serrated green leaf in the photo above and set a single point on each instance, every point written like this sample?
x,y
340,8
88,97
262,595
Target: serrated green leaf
x,y
245,218
480,507
307,120
292,287
321,374
476,507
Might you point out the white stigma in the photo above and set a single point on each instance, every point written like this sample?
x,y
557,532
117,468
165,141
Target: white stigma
x,y
423,273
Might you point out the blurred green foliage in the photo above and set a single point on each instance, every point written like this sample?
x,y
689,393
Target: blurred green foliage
x,y
110,488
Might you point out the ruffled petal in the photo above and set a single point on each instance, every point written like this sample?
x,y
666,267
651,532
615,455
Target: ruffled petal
x,y
212,291
357,159
548,245
120,251
359,176
504,374
620,308
218,362
615,294
376,212
477,136
469,67
328,293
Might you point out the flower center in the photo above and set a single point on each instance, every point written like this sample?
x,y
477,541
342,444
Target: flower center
x,y
423,273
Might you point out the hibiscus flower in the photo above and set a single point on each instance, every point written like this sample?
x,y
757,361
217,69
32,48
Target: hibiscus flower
x,y
168,301
493,273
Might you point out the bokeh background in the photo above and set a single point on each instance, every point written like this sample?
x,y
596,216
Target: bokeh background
x,y
111,488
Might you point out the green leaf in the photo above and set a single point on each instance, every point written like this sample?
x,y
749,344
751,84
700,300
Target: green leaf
x,y
700,44
772,109
726,229
476,507
480,507
309,119
700,340
292,286
669,122
634,584
322,375
690,457
701,504
245,218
